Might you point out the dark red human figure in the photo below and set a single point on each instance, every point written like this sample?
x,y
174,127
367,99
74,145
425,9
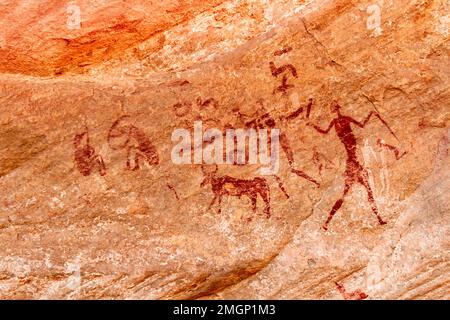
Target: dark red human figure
x,y
85,157
354,172
134,141
266,121
355,295
286,146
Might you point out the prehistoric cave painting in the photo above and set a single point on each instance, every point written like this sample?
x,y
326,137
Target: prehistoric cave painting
x,y
127,136
283,70
299,111
284,86
175,83
276,71
355,295
196,111
281,186
172,188
264,120
181,109
229,186
86,159
321,161
398,154
285,143
354,172
208,102
282,51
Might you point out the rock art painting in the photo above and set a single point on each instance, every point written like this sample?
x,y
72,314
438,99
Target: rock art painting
x,y
85,157
354,171
134,141
224,150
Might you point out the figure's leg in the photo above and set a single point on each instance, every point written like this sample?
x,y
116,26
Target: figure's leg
x,y
281,186
136,161
265,195
338,203
363,179
220,204
305,176
253,199
284,142
128,158
138,155
212,202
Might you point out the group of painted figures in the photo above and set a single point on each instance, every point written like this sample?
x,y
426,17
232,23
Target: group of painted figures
x,y
138,148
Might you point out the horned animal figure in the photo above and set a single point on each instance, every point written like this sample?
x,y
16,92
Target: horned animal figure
x,y
226,185
134,141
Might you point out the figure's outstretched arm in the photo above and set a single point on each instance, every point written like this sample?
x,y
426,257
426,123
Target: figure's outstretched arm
x,y
320,130
365,121
299,111
294,114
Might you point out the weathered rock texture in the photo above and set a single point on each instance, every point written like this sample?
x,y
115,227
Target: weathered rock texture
x,y
76,222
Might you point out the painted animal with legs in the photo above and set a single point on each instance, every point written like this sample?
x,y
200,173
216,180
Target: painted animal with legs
x,y
229,186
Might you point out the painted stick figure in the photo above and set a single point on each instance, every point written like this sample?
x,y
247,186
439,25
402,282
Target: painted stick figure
x,y
354,172
276,71
285,143
85,156
266,120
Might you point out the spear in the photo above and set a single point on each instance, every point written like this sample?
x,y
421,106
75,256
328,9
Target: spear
x,y
386,125
379,117
308,108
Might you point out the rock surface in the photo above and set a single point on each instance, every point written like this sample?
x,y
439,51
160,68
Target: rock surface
x,y
77,221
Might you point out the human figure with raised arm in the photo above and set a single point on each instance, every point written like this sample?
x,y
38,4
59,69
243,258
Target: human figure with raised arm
x,y
266,120
354,172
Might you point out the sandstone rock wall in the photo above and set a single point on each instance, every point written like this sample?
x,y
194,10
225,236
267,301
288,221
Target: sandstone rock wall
x,y
77,221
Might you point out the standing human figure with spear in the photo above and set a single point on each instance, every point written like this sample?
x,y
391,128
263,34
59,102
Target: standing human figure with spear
x,y
354,172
